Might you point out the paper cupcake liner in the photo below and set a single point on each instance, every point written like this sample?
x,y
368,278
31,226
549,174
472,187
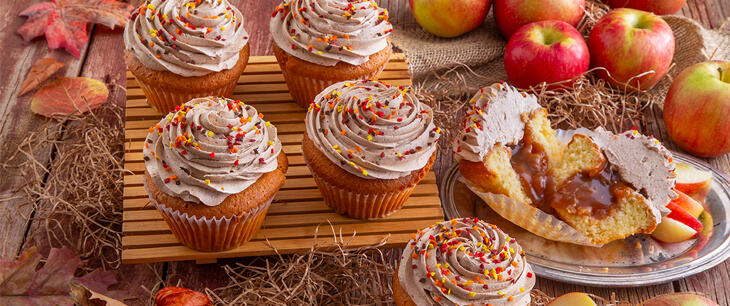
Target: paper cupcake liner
x,y
213,234
362,206
304,89
532,219
165,101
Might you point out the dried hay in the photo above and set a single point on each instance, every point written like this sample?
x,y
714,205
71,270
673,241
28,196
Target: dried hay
x,y
77,198
324,275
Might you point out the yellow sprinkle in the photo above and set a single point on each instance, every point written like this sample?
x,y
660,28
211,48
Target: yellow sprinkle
x,y
150,6
446,265
438,265
472,294
207,182
164,16
461,248
365,173
522,289
336,146
210,133
370,137
223,28
500,293
268,123
270,143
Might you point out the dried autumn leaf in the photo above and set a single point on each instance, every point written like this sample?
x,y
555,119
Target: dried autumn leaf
x,y
21,284
82,296
63,22
65,96
41,70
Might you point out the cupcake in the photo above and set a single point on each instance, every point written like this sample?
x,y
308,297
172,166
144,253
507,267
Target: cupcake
x,y
367,145
321,42
178,50
212,169
591,189
463,262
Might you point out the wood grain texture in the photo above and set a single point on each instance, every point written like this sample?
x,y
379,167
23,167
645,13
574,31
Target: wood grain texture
x,y
17,122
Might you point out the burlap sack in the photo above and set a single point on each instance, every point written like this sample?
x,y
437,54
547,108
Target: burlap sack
x,y
481,51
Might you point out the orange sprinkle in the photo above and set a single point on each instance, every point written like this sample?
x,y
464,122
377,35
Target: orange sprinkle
x,y
511,299
343,133
358,149
261,115
325,132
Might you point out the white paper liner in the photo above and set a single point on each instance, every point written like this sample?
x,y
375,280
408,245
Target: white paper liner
x,y
530,218
213,235
362,205
304,89
165,101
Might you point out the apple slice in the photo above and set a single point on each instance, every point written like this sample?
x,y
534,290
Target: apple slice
x,y
692,181
673,231
682,215
693,207
573,299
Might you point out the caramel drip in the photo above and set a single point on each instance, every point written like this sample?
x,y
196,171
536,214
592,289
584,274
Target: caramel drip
x,y
530,162
592,194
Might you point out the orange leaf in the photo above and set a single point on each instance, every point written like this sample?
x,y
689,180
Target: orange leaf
x,y
41,70
66,96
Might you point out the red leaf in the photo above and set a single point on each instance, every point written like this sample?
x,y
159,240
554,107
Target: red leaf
x,y
181,297
40,71
63,22
21,284
65,96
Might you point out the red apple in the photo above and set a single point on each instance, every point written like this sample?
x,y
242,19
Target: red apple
x,y
689,204
447,18
697,109
573,299
511,15
629,43
659,7
680,299
545,51
683,216
673,231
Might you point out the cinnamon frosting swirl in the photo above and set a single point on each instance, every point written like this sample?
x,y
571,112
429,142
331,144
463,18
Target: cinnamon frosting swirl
x,y
465,262
372,130
186,37
326,32
210,148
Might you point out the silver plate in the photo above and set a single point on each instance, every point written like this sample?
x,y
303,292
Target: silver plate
x,y
636,261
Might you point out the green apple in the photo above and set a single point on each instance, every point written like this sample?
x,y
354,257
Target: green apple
x,y
447,18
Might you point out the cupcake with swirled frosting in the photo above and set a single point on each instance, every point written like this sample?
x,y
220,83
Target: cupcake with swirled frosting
x,y
463,262
212,167
178,50
367,145
321,42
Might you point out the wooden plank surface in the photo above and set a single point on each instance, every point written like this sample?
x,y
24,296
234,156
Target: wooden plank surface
x,y
298,214
17,122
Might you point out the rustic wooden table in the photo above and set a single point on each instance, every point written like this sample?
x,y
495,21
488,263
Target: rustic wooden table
x,y
102,59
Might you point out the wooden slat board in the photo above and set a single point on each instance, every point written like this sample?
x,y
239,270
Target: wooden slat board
x,y
297,212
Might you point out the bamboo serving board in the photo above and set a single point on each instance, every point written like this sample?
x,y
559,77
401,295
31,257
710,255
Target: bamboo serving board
x,y
297,213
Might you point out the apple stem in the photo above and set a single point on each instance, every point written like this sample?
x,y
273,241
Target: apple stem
x,y
722,74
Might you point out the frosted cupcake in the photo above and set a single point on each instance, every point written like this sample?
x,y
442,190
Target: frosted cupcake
x,y
212,169
178,50
321,42
463,262
368,144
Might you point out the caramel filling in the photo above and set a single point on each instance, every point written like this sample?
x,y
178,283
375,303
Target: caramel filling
x,y
530,162
591,194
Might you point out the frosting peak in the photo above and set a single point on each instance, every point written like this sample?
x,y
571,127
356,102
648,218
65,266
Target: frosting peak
x,y
186,37
210,148
494,116
372,130
326,32
465,262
